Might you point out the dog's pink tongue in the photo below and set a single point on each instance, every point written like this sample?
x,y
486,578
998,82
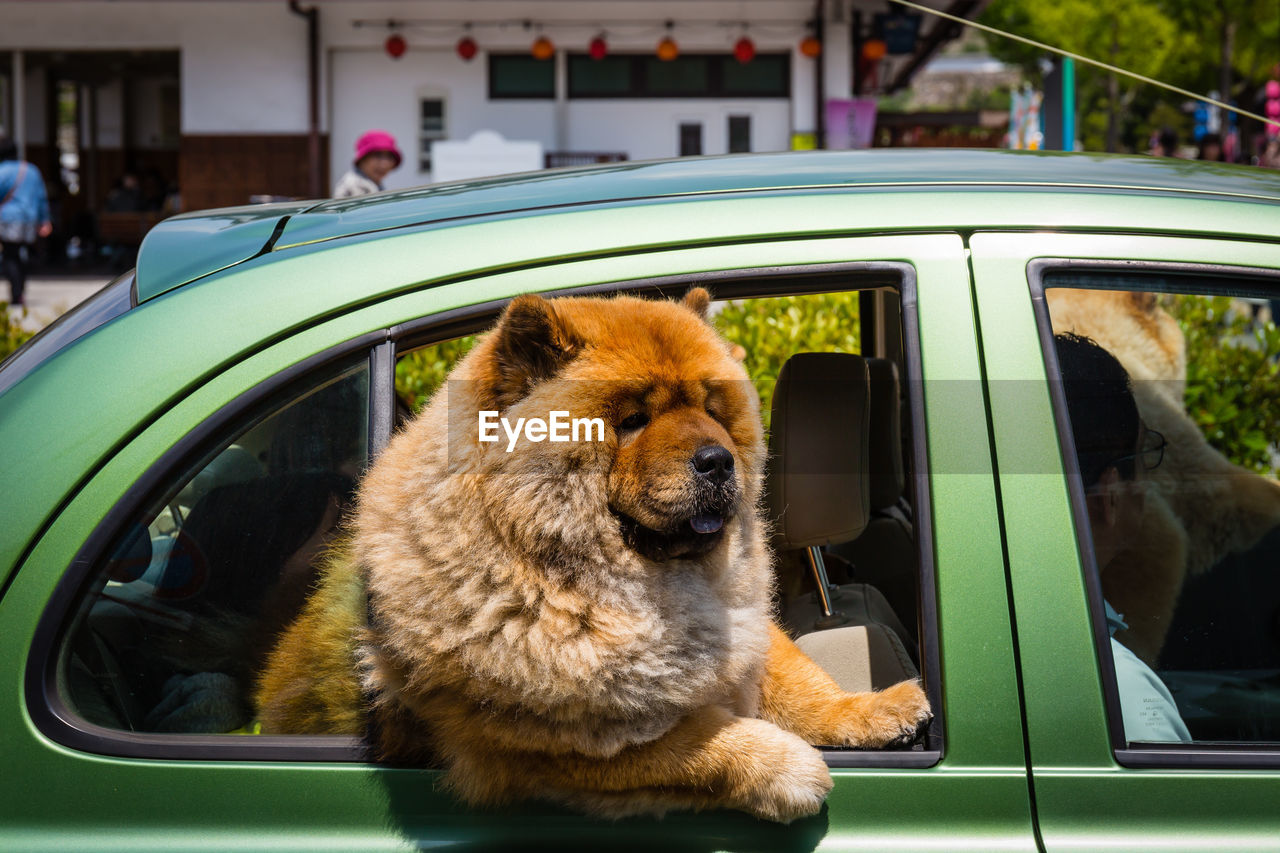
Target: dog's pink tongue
x,y
708,523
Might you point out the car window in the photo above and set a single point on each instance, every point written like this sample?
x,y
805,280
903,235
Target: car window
x,y
1168,392
185,608
185,605
865,624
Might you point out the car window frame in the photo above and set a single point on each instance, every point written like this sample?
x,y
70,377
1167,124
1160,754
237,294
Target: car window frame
x,y
55,719
44,700
1193,755
757,282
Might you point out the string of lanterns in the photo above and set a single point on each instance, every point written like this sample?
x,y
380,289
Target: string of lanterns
x,y
542,48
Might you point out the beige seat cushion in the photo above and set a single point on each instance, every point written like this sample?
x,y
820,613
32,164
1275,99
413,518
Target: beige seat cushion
x,y
859,657
859,603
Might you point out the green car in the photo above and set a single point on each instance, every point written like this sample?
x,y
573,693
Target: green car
x,y
1084,571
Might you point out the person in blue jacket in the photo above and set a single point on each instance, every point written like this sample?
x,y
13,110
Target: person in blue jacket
x,y
24,216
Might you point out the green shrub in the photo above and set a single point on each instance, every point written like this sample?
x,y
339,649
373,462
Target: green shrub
x,y
422,371
770,330
1232,366
12,335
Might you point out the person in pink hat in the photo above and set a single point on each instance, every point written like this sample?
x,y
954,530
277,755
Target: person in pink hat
x,y
376,156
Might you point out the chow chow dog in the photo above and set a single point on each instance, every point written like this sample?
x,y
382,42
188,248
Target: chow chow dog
x,y
585,622
1199,506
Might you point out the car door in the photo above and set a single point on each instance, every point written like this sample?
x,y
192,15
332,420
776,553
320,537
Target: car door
x,y
1188,758
86,780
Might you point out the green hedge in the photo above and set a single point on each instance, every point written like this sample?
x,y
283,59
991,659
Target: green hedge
x,y
1232,366
422,371
12,335
769,330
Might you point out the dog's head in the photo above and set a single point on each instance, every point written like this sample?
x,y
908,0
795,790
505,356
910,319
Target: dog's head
x,y
680,448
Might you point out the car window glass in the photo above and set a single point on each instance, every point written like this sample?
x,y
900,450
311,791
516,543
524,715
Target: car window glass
x,y
187,603
1177,457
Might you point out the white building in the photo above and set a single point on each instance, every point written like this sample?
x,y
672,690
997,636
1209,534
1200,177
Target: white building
x,y
234,98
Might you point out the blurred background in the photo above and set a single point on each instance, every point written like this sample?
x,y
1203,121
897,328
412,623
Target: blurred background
x,y
134,110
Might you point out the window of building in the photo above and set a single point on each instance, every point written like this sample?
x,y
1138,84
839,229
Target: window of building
x,y
690,133
739,133
710,75
610,77
431,127
1170,411
519,75
766,75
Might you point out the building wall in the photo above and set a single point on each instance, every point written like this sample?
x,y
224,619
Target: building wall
x,y
244,81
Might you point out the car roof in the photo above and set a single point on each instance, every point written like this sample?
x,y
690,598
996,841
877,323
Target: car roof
x,y
187,247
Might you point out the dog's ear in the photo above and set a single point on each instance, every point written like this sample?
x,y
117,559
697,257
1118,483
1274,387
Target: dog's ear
x,y
697,300
532,343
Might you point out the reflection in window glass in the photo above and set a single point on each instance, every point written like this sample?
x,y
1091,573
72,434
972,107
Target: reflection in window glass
x,y
1177,455
188,602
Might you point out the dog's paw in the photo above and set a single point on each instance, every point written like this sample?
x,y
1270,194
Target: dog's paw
x,y
894,717
786,780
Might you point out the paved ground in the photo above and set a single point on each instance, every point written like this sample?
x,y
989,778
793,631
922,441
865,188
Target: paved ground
x,y
48,297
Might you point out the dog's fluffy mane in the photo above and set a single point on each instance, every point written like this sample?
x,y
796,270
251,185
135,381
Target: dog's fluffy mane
x,y
542,614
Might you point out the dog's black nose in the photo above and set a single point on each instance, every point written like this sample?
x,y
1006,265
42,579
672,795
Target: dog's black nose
x,y
714,463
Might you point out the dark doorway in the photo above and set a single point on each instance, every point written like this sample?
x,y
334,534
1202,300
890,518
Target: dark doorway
x,y
104,129
690,138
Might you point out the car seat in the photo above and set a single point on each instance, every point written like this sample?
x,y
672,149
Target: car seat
x,y
818,491
884,554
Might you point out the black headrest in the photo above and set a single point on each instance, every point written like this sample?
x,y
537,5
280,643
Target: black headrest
x,y
885,436
817,481
132,556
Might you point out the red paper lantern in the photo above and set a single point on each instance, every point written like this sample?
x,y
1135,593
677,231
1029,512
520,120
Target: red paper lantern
x,y
744,50
467,48
668,49
395,45
811,47
542,48
874,50
598,49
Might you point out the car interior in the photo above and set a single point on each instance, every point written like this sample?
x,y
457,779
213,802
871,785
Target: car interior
x,y
185,605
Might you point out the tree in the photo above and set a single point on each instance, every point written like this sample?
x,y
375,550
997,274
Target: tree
x,y
1228,45
1136,35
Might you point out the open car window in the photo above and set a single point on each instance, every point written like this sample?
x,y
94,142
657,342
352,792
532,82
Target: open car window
x,y
844,438
172,632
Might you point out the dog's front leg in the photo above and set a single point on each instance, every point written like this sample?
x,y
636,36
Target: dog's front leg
x,y
710,759
799,696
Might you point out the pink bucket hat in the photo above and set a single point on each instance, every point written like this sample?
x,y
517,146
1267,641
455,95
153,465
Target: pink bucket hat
x,y
374,141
